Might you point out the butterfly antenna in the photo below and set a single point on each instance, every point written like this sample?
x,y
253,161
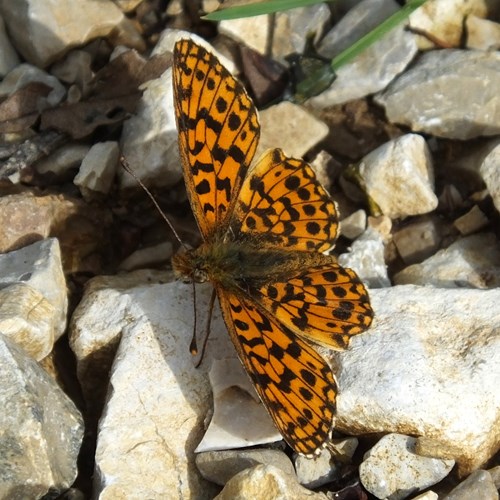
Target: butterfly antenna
x,y
127,168
207,330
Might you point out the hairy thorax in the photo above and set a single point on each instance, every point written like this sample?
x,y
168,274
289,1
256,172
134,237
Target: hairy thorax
x,y
234,265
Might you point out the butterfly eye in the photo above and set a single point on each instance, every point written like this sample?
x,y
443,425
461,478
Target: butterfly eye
x,y
200,276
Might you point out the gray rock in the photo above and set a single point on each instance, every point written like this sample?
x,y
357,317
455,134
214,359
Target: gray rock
x,y
354,225
8,56
33,296
265,482
473,262
478,486
447,93
220,466
43,31
399,177
392,469
41,428
63,161
490,172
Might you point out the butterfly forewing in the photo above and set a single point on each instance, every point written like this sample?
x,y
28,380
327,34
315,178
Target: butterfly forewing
x,y
292,379
218,133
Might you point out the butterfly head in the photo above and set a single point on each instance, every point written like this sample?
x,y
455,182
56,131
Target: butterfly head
x,y
188,267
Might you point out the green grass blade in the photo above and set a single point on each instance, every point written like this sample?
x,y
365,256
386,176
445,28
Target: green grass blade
x,y
317,82
257,9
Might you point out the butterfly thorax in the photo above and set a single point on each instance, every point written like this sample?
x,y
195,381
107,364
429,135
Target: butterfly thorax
x,y
235,265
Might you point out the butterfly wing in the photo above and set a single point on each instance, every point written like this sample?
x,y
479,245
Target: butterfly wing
x,y
282,205
293,381
327,304
218,133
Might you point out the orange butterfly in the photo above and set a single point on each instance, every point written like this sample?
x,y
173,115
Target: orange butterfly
x,y
264,230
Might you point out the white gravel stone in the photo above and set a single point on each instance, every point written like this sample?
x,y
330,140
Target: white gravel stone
x,y
8,55
279,129
25,73
33,296
444,19
418,240
149,139
366,257
429,366
41,428
353,226
371,71
473,262
43,30
392,469
63,161
482,34
490,171
98,169
471,222
266,481
399,177
448,93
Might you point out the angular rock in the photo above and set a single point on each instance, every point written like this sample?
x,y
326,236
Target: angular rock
x,y
459,88
473,262
42,30
427,367
471,222
371,71
353,226
41,428
266,481
23,74
220,466
489,171
98,169
62,162
418,240
398,176
149,138
392,469
482,34
239,418
444,20
478,486
366,257
33,297
279,129
8,56
75,68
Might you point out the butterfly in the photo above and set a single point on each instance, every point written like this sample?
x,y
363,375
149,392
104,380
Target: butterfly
x,y
264,231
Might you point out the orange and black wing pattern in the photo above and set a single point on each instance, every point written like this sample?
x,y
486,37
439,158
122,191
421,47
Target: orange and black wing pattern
x,y
218,133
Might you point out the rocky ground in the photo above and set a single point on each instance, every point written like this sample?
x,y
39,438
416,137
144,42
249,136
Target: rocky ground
x,y
100,393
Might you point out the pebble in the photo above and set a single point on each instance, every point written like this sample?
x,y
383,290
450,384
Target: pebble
x,y
471,261
471,222
42,429
42,31
33,297
471,79
8,56
482,34
366,257
265,482
354,225
478,486
392,469
399,177
279,129
98,169
489,171
63,162
220,466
